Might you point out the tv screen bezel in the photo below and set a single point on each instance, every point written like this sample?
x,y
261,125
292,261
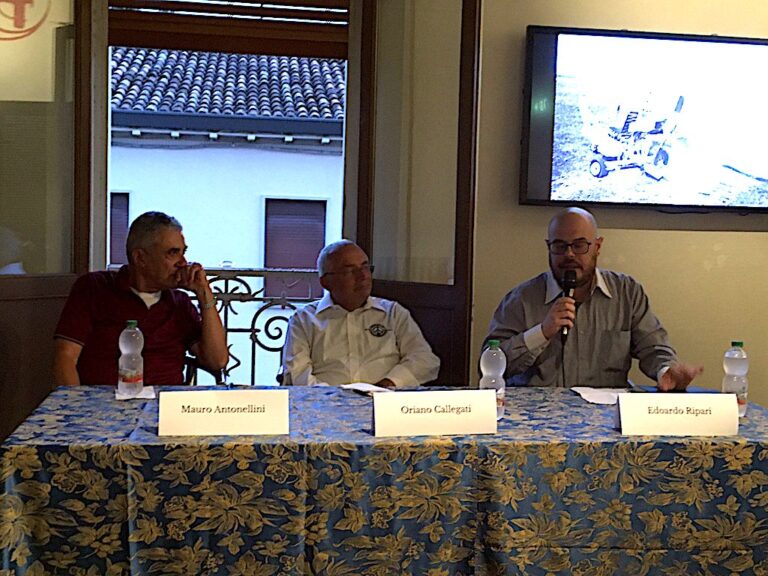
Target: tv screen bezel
x,y
542,86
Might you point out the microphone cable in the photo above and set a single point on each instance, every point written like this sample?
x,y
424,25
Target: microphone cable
x,y
562,357
569,286
563,340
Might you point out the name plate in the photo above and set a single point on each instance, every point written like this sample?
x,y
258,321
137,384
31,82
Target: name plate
x,y
223,413
434,413
678,414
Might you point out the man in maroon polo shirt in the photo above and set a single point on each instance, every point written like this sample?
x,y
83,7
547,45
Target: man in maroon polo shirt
x,y
100,304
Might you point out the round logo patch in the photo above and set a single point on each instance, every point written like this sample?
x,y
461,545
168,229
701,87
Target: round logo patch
x,y
377,330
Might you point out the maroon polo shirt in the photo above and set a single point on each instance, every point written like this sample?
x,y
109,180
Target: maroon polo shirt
x,y
96,311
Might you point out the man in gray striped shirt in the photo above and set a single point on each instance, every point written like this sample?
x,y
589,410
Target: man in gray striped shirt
x,y
608,319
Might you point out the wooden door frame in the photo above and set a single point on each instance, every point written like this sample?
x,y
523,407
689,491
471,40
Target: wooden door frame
x,y
459,295
83,136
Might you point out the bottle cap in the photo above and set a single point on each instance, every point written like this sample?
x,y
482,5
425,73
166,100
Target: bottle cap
x,y
493,343
737,343
132,324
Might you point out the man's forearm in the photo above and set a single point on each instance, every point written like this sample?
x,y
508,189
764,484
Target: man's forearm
x,y
65,372
213,352
65,357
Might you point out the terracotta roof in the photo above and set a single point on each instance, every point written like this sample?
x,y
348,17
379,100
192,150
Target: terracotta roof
x,y
162,81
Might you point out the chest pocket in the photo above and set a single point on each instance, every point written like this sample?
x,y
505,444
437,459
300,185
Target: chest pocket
x,y
614,354
379,337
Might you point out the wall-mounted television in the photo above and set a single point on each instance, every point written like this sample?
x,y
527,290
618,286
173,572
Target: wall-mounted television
x,y
665,121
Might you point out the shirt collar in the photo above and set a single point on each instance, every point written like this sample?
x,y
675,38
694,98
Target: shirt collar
x,y
124,278
327,302
554,290
601,284
124,283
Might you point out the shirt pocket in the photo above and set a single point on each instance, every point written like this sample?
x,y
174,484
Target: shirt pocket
x,y
380,341
613,351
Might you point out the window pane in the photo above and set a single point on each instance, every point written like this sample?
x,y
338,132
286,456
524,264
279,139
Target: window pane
x,y
294,236
36,136
118,227
211,137
417,99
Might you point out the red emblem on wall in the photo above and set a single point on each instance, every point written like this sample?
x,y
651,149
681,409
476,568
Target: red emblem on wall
x,y
20,18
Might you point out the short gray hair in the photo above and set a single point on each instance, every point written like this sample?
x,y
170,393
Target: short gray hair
x,y
144,229
327,252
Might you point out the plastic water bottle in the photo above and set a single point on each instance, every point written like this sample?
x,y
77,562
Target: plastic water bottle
x,y
736,366
130,380
493,363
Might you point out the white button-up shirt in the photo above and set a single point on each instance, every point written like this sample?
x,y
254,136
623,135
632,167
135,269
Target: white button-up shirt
x,y
328,344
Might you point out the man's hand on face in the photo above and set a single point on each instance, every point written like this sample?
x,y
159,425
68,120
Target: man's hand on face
x,y
562,313
679,375
192,277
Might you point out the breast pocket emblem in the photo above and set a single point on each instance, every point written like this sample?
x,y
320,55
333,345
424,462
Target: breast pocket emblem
x,y
377,330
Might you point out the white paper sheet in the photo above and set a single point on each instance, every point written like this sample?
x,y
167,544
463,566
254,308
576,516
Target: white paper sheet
x,y
599,395
365,388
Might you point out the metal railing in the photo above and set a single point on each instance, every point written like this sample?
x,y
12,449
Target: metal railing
x,y
255,305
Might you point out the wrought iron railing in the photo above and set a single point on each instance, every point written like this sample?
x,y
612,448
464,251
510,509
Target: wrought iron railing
x,y
255,305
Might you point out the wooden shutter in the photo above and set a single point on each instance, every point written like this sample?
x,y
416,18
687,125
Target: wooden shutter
x,y
118,227
306,28
294,235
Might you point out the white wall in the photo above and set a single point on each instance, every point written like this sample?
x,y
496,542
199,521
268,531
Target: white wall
x,y
706,284
219,193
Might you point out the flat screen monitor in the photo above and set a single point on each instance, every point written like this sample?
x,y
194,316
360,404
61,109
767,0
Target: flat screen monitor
x,y
664,121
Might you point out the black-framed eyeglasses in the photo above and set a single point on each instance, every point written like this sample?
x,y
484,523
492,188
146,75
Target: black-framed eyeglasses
x,y
352,270
558,247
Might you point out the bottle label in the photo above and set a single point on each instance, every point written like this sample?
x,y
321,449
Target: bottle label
x,y
131,377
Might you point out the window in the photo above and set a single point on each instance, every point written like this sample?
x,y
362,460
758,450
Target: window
x,y
36,136
217,106
294,234
118,226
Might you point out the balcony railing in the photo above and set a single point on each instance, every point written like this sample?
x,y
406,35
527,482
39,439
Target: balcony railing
x,y
255,305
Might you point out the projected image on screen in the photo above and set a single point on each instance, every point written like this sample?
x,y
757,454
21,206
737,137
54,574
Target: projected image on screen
x,y
655,121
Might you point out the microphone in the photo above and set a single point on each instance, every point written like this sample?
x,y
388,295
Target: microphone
x,y
568,285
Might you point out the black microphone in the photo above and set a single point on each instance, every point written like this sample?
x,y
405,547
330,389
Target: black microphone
x,y
568,285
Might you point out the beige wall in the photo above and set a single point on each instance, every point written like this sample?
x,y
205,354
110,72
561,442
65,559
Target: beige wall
x,y
706,275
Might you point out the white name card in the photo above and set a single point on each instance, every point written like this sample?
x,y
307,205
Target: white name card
x,y
434,413
678,414
223,412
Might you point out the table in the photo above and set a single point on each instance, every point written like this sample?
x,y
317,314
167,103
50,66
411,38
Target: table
x,y
89,488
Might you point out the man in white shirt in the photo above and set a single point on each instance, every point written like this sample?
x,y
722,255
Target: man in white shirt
x,y
350,336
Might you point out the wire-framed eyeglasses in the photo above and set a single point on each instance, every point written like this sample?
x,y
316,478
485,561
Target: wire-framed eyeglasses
x,y
352,270
558,247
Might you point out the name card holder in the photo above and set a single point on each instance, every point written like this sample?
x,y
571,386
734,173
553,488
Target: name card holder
x,y
434,413
223,413
677,414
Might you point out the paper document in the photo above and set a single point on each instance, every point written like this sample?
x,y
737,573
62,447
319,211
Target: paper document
x,y
364,388
147,393
600,395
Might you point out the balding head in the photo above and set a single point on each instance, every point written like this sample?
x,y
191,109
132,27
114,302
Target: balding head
x,y
571,218
574,245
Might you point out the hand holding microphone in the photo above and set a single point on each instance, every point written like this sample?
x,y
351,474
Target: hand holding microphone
x,y
562,313
569,286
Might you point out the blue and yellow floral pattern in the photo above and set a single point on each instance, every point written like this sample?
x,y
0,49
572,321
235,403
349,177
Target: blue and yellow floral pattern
x,y
90,489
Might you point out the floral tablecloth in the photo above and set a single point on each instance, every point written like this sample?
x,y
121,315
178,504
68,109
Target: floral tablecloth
x,y
89,488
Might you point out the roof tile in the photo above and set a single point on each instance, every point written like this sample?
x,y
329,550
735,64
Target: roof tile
x,y
156,80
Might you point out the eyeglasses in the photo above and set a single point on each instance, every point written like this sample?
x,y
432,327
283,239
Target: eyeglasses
x,y
352,270
558,247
